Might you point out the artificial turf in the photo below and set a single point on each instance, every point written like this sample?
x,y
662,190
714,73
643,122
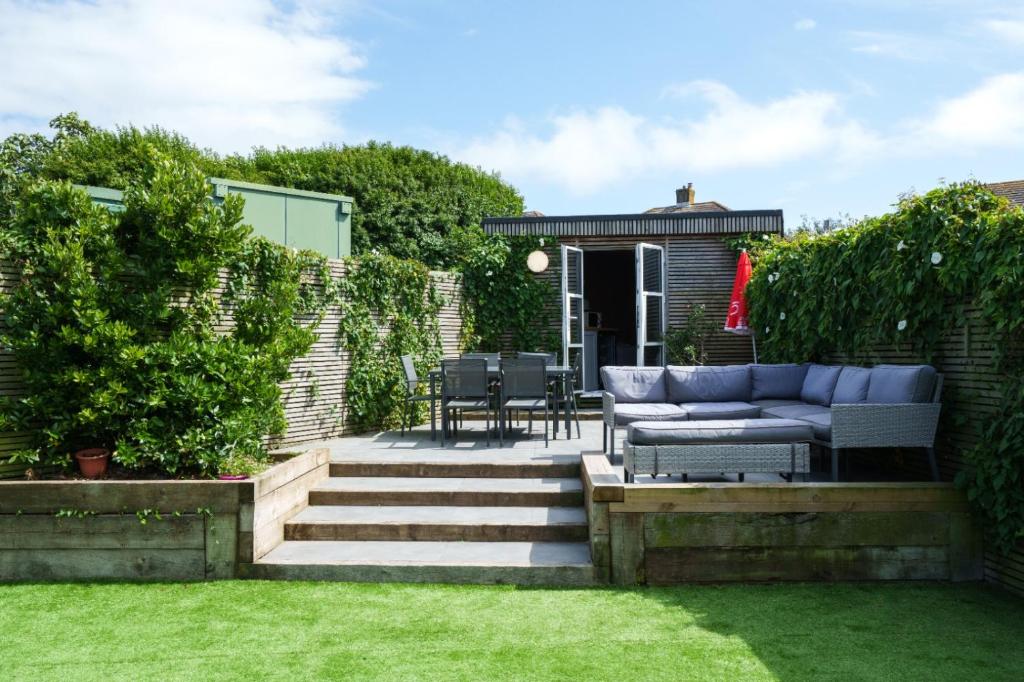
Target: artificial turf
x,y
294,630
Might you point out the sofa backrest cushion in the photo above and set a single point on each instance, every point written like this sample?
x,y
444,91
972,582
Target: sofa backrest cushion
x,y
852,386
730,383
819,384
635,384
901,384
777,381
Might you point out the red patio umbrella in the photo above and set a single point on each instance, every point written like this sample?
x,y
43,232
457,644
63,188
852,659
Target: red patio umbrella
x,y
736,320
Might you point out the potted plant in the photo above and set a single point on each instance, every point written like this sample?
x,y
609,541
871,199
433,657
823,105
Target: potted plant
x,y
93,462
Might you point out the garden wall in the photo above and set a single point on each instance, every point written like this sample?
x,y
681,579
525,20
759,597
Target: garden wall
x,y
314,398
149,530
668,534
970,396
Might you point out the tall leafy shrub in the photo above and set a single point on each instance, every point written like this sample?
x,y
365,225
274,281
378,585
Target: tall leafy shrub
x,y
892,279
118,331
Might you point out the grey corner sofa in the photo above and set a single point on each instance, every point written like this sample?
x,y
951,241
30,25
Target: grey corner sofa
x,y
885,406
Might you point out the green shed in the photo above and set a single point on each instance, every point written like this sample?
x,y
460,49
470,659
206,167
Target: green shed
x,y
293,217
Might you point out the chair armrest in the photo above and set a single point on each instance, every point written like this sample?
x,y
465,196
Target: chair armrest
x,y
890,425
608,408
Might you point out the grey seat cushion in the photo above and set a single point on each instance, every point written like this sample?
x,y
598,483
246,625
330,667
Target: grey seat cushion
x,y
729,383
525,404
635,384
626,413
726,410
777,381
852,386
728,431
773,402
901,384
819,384
820,418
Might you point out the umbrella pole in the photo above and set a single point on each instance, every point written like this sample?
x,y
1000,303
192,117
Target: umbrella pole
x,y
753,342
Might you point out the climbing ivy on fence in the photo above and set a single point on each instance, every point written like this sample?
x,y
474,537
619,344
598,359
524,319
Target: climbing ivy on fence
x,y
120,333
389,308
893,279
503,302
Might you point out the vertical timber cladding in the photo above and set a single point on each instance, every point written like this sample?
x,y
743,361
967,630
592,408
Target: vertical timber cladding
x,y
700,270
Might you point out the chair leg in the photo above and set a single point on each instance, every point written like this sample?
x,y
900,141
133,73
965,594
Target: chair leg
x,y
611,443
741,477
835,464
529,421
545,424
487,425
933,464
604,437
576,415
405,411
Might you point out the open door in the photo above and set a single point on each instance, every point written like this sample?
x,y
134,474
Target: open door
x,y
650,305
572,305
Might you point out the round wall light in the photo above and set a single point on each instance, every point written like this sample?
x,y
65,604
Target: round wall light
x,y
537,261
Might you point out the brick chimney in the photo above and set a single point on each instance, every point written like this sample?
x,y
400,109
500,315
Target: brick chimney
x,y
684,195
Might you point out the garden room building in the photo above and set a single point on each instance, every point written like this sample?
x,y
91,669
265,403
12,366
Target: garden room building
x,y
625,279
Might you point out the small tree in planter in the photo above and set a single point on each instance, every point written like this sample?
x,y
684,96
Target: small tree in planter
x,y
121,335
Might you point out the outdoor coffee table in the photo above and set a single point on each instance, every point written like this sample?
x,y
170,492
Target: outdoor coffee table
x,y
742,446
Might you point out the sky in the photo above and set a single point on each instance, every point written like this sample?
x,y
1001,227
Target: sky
x,y
822,109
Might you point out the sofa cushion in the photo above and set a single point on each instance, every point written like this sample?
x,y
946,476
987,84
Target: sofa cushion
x,y
819,417
777,381
852,386
819,384
726,431
626,413
635,384
729,383
772,402
726,410
901,384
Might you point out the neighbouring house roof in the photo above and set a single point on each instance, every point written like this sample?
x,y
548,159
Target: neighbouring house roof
x,y
532,214
641,224
700,206
1012,190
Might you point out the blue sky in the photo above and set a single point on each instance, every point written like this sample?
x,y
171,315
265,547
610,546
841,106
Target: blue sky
x,y
819,108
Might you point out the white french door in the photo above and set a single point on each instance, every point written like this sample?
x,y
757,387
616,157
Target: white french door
x,y
651,309
572,305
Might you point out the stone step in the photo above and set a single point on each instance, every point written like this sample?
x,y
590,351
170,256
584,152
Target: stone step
x,y
521,563
480,492
424,523
455,465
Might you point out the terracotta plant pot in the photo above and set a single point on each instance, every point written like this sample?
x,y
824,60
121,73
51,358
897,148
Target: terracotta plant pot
x,y
92,462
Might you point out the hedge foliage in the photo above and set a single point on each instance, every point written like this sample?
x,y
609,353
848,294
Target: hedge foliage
x,y
119,333
408,202
895,279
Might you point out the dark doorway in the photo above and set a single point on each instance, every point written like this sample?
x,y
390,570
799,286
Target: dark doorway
x,y
609,289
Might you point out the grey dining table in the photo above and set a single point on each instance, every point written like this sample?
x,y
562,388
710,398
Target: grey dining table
x,y
558,372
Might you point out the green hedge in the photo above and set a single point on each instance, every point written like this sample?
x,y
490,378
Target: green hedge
x,y
889,280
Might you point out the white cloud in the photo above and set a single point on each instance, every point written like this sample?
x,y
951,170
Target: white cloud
x,y
896,45
229,74
805,24
1011,30
589,150
989,115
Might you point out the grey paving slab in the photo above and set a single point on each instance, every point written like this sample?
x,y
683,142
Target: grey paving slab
x,y
371,553
501,516
485,485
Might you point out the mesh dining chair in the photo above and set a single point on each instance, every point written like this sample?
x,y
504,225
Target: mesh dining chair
x,y
549,359
493,360
524,386
412,383
464,386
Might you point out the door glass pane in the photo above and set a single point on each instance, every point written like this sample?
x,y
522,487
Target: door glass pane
x,y
652,270
575,320
652,356
654,315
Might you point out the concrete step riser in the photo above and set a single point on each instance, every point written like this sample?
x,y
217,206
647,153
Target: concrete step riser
x,y
435,532
458,498
437,470
556,576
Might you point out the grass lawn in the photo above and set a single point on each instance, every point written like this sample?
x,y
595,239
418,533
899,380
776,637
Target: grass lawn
x,y
279,630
